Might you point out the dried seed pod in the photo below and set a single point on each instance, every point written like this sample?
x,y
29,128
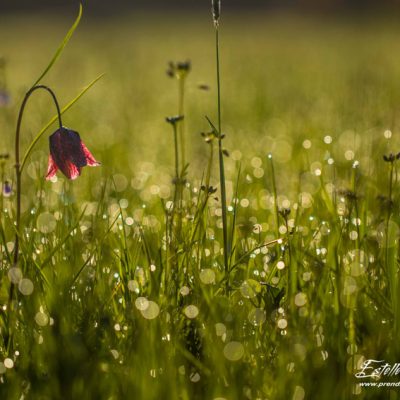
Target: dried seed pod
x,y
216,11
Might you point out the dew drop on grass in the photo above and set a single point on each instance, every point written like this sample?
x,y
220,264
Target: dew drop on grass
x,y
280,265
25,286
282,323
195,377
41,319
114,353
124,203
353,235
207,276
133,286
300,299
250,288
120,182
184,291
8,363
328,139
151,311
129,221
191,311
388,237
10,247
46,222
15,275
220,329
142,303
233,351
299,393
387,134
257,316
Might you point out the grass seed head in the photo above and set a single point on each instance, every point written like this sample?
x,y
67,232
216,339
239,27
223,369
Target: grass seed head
x,y
216,11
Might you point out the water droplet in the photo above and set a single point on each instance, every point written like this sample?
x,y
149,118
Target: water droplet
x,y
15,275
233,351
220,329
115,353
282,323
280,265
25,286
133,286
250,288
46,222
41,318
184,291
141,303
151,311
195,377
207,276
8,363
299,393
257,316
191,311
300,299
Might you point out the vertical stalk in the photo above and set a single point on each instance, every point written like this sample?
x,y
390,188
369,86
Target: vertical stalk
x,y
176,153
181,83
275,193
221,167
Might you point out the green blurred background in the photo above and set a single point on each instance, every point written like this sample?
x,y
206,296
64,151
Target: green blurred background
x,y
285,74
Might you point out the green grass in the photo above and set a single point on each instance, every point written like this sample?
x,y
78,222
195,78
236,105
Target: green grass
x,y
301,313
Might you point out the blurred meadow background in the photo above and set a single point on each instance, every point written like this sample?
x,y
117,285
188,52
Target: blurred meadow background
x,y
121,289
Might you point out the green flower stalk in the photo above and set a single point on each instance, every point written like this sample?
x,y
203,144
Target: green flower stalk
x,y
216,12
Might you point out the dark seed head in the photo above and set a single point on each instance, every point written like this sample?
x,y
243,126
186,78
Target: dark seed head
x,y
391,157
203,86
284,212
179,69
174,119
216,11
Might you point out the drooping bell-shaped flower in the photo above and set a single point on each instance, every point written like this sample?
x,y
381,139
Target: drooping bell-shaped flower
x,y
68,154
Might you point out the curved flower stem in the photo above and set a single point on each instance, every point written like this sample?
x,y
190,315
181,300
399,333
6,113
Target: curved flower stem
x,y
17,159
18,171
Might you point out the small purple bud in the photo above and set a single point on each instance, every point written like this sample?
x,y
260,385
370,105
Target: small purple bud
x,y
5,98
7,189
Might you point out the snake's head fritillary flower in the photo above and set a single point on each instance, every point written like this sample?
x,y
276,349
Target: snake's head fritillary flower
x,y
68,154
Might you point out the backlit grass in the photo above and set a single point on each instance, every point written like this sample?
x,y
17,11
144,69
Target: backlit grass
x,y
121,290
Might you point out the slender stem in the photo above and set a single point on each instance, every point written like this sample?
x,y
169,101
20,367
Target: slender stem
x,y
275,193
389,214
218,79
181,106
17,158
221,167
176,152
